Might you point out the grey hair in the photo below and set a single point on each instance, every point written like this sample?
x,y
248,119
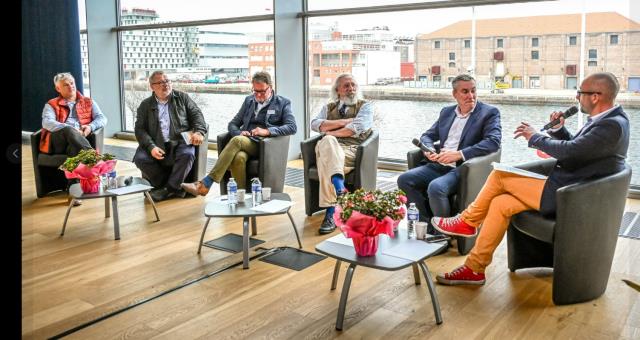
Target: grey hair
x,y
154,74
461,77
334,88
62,76
262,77
610,83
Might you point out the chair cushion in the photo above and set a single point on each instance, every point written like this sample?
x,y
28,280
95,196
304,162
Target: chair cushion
x,y
253,166
53,161
534,225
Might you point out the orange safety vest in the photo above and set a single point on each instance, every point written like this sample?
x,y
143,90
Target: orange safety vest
x,y
60,107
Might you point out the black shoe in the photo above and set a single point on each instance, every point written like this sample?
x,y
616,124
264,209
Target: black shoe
x,y
179,193
159,194
328,225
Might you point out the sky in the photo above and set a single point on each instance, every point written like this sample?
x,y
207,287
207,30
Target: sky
x,y
402,23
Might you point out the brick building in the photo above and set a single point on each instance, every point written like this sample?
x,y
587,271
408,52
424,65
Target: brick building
x,y
533,52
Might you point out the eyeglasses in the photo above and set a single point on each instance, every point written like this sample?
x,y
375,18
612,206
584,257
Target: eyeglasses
x,y
261,91
166,82
587,92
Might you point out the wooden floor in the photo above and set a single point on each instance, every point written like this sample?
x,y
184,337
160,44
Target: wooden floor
x,y
71,280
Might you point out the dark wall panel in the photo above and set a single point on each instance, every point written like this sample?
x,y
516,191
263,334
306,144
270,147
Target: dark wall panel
x,y
50,45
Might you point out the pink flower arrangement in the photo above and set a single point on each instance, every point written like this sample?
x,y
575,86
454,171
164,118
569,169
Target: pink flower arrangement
x,y
87,166
369,213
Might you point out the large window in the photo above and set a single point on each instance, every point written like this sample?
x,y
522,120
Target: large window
x,y
212,63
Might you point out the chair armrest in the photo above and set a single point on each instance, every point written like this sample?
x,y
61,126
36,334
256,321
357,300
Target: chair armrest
x,y
473,174
542,167
222,140
35,145
98,143
414,157
366,163
585,235
274,152
308,151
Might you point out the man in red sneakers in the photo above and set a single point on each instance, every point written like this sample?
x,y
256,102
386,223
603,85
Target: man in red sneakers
x,y
597,150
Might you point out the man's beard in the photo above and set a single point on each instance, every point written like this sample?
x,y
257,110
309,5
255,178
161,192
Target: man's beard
x,y
350,99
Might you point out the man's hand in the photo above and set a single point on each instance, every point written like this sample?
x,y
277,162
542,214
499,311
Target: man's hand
x,y
157,153
524,130
331,125
430,156
260,132
197,138
554,115
245,133
85,130
448,156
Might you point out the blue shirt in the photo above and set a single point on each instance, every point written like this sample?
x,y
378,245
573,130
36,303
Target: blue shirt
x,y
163,117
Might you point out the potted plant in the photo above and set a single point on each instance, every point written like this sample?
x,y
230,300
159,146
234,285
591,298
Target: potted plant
x,y
87,166
364,215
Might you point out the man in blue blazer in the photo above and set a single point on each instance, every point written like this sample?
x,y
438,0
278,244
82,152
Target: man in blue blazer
x,y
597,150
466,130
262,114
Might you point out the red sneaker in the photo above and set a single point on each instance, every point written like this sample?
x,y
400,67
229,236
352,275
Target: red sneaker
x,y
462,275
453,226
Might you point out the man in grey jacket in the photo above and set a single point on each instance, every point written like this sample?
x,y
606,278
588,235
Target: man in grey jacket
x,y
163,156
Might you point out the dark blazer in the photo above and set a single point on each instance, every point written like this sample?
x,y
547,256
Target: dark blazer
x,y
481,135
598,151
183,112
279,119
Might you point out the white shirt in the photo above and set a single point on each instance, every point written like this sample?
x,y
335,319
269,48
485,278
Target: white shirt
x,y
455,132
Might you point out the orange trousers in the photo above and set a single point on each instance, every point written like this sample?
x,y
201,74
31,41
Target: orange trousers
x,y
502,196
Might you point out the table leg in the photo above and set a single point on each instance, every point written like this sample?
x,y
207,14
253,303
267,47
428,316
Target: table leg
x,y
295,228
146,194
107,212
245,243
116,221
206,224
432,292
344,296
336,272
416,273
254,226
66,216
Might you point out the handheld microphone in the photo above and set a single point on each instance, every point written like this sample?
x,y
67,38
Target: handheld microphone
x,y
423,147
570,112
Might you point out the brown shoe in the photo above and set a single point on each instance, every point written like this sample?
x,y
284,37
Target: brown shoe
x,y
195,188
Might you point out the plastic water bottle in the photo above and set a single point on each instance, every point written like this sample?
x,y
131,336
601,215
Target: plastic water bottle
x,y
112,182
232,191
413,216
256,191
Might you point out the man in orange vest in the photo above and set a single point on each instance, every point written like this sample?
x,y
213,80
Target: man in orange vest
x,y
68,119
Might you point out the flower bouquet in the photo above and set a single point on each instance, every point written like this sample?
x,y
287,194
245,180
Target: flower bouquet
x,y
363,215
87,166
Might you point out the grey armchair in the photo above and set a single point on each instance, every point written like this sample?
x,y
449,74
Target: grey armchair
x,y
579,243
363,175
473,174
45,166
270,165
199,168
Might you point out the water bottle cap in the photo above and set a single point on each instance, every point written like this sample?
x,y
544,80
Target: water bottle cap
x,y
412,205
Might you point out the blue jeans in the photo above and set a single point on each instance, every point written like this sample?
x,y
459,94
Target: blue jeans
x,y
431,182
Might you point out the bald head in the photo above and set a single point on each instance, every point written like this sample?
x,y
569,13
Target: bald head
x,y
606,83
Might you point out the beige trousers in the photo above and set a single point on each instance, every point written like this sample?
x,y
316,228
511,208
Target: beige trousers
x,y
502,196
332,158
